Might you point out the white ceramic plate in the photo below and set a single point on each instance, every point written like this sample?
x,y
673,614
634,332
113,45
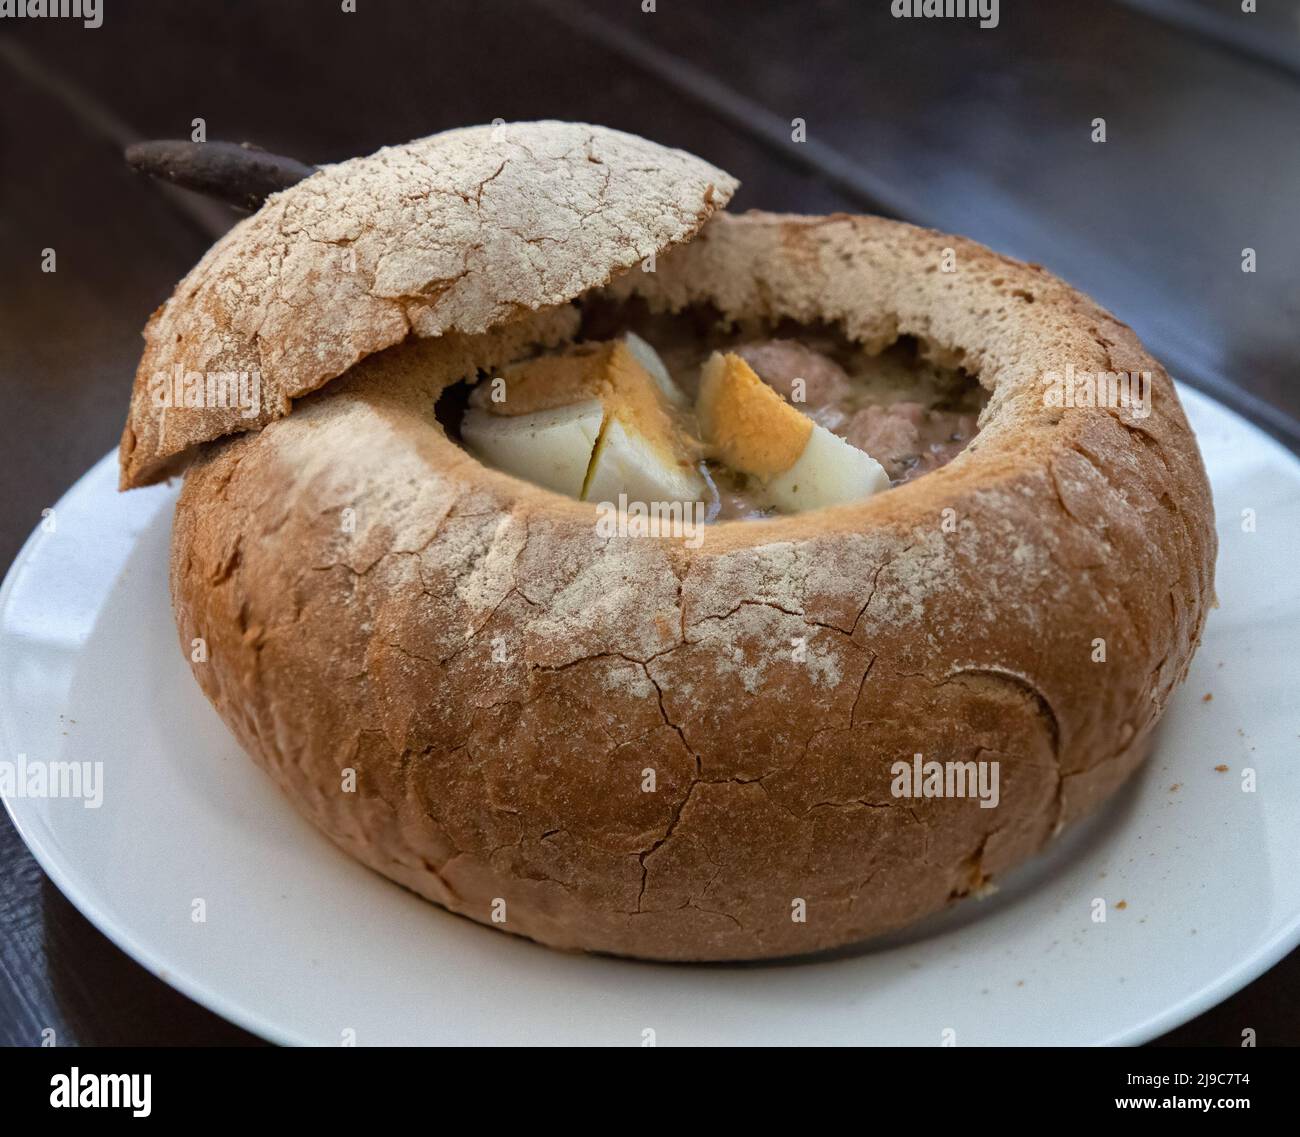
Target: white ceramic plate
x,y
302,945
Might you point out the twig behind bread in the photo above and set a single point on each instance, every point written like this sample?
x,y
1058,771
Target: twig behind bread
x,y
240,174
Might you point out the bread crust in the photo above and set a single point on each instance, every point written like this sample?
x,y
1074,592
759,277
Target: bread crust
x,y
501,677
457,232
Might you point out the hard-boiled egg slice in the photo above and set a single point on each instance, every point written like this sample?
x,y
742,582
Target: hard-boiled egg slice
x,y
628,461
596,407
552,447
649,359
830,471
753,430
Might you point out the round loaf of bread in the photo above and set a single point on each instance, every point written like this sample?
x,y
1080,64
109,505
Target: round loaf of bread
x,y
640,745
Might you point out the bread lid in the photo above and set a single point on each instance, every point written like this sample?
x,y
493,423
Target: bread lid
x,y
460,232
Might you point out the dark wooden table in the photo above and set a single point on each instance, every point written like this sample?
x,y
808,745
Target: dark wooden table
x,y
983,132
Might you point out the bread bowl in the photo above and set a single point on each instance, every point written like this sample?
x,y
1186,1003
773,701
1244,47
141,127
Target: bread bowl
x,y
631,743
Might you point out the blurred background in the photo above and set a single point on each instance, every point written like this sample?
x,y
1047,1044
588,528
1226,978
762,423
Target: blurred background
x,y
1136,148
